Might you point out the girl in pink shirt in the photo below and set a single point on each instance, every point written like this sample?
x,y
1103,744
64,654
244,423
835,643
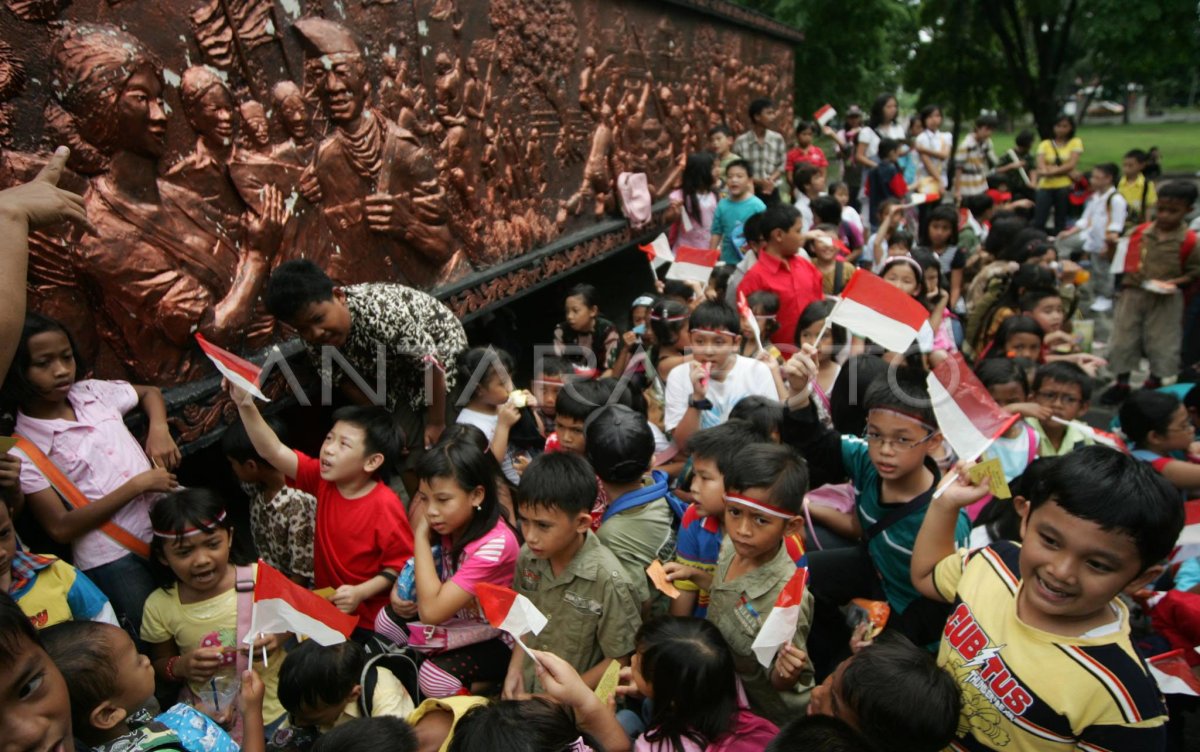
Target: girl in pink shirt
x,y
457,502
79,426
694,204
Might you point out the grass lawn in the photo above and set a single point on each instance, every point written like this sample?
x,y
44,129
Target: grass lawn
x,y
1178,143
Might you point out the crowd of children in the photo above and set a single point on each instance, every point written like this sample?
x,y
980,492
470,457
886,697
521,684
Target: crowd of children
x,y
655,487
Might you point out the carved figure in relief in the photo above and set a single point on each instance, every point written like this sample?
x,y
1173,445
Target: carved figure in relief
x,y
449,89
376,186
297,122
256,131
208,107
163,264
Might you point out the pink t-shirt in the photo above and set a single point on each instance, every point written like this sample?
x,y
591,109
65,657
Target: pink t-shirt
x,y
98,454
490,558
701,232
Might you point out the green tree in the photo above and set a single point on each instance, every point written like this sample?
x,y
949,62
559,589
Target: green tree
x,y
852,50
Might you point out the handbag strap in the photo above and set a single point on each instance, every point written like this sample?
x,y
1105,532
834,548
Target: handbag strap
x,y
244,585
75,499
897,513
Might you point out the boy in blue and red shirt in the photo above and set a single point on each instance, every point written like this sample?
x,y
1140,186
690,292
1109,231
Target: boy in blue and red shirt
x,y
885,180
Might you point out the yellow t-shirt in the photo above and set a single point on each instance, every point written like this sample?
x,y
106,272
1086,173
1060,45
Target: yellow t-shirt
x,y
1132,190
1047,150
390,698
209,623
457,707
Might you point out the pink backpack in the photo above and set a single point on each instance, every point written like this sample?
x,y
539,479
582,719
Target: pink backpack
x,y
636,203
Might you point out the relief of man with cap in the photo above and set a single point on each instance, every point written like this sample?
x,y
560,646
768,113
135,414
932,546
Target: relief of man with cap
x,y
385,212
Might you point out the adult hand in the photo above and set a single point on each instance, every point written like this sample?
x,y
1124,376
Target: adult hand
x,y
40,202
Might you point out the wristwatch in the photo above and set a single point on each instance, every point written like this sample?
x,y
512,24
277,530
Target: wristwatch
x,y
701,404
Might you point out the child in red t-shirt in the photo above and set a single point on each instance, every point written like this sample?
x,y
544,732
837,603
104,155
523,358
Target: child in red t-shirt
x,y
363,537
805,150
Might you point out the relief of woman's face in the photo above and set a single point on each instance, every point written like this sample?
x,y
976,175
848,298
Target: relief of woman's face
x,y
141,118
212,117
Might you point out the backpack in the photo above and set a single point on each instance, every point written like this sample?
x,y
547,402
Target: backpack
x,y
402,662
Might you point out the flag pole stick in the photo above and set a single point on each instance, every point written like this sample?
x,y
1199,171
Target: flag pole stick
x,y
527,650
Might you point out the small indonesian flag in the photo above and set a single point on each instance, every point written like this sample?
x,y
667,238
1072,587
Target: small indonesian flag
x,y
780,625
917,199
1095,434
693,264
825,114
1120,256
658,251
747,314
238,370
281,605
871,307
966,413
508,610
1173,674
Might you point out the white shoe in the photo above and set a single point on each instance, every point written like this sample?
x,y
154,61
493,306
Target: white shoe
x,y
1102,304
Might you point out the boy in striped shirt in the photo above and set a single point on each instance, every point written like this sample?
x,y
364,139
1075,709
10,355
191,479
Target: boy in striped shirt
x,y
1038,639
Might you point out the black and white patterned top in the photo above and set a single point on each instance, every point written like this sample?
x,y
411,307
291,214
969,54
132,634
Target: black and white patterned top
x,y
408,325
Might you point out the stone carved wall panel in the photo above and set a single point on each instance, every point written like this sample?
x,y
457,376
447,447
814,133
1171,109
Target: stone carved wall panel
x,y
424,142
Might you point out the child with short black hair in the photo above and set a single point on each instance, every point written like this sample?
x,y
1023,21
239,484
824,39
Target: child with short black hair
x,y
36,712
381,734
1161,263
281,517
1007,383
569,575
351,498
1039,640
111,685
586,338
782,269
700,393
765,488
894,693
322,687
1160,429
809,183
764,304
720,138
550,374
1065,390
894,473
833,339
419,332
974,158
734,209
1045,306
818,732
701,530
885,180
637,523
764,413
1136,188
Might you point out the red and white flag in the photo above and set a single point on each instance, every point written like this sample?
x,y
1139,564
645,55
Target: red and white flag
x,y
693,264
825,114
873,308
779,627
281,605
917,199
966,413
238,370
1173,674
508,610
658,251
1095,434
747,314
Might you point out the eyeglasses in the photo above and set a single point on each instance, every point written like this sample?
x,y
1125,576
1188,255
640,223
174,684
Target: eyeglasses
x,y
1051,397
900,443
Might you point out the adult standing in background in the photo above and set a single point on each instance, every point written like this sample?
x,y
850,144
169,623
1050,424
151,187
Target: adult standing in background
x,y
766,152
1057,158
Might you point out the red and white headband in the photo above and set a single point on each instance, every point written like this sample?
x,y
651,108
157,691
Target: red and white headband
x,y
760,506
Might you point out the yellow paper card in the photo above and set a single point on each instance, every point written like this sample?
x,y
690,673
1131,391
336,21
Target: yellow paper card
x,y
994,473
607,687
6,443
658,576
325,592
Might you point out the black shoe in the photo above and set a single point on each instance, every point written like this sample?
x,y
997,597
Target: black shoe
x,y
1152,383
1115,395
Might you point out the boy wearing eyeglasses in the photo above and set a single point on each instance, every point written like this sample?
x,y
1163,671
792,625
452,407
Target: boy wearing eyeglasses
x,y
1065,389
894,475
